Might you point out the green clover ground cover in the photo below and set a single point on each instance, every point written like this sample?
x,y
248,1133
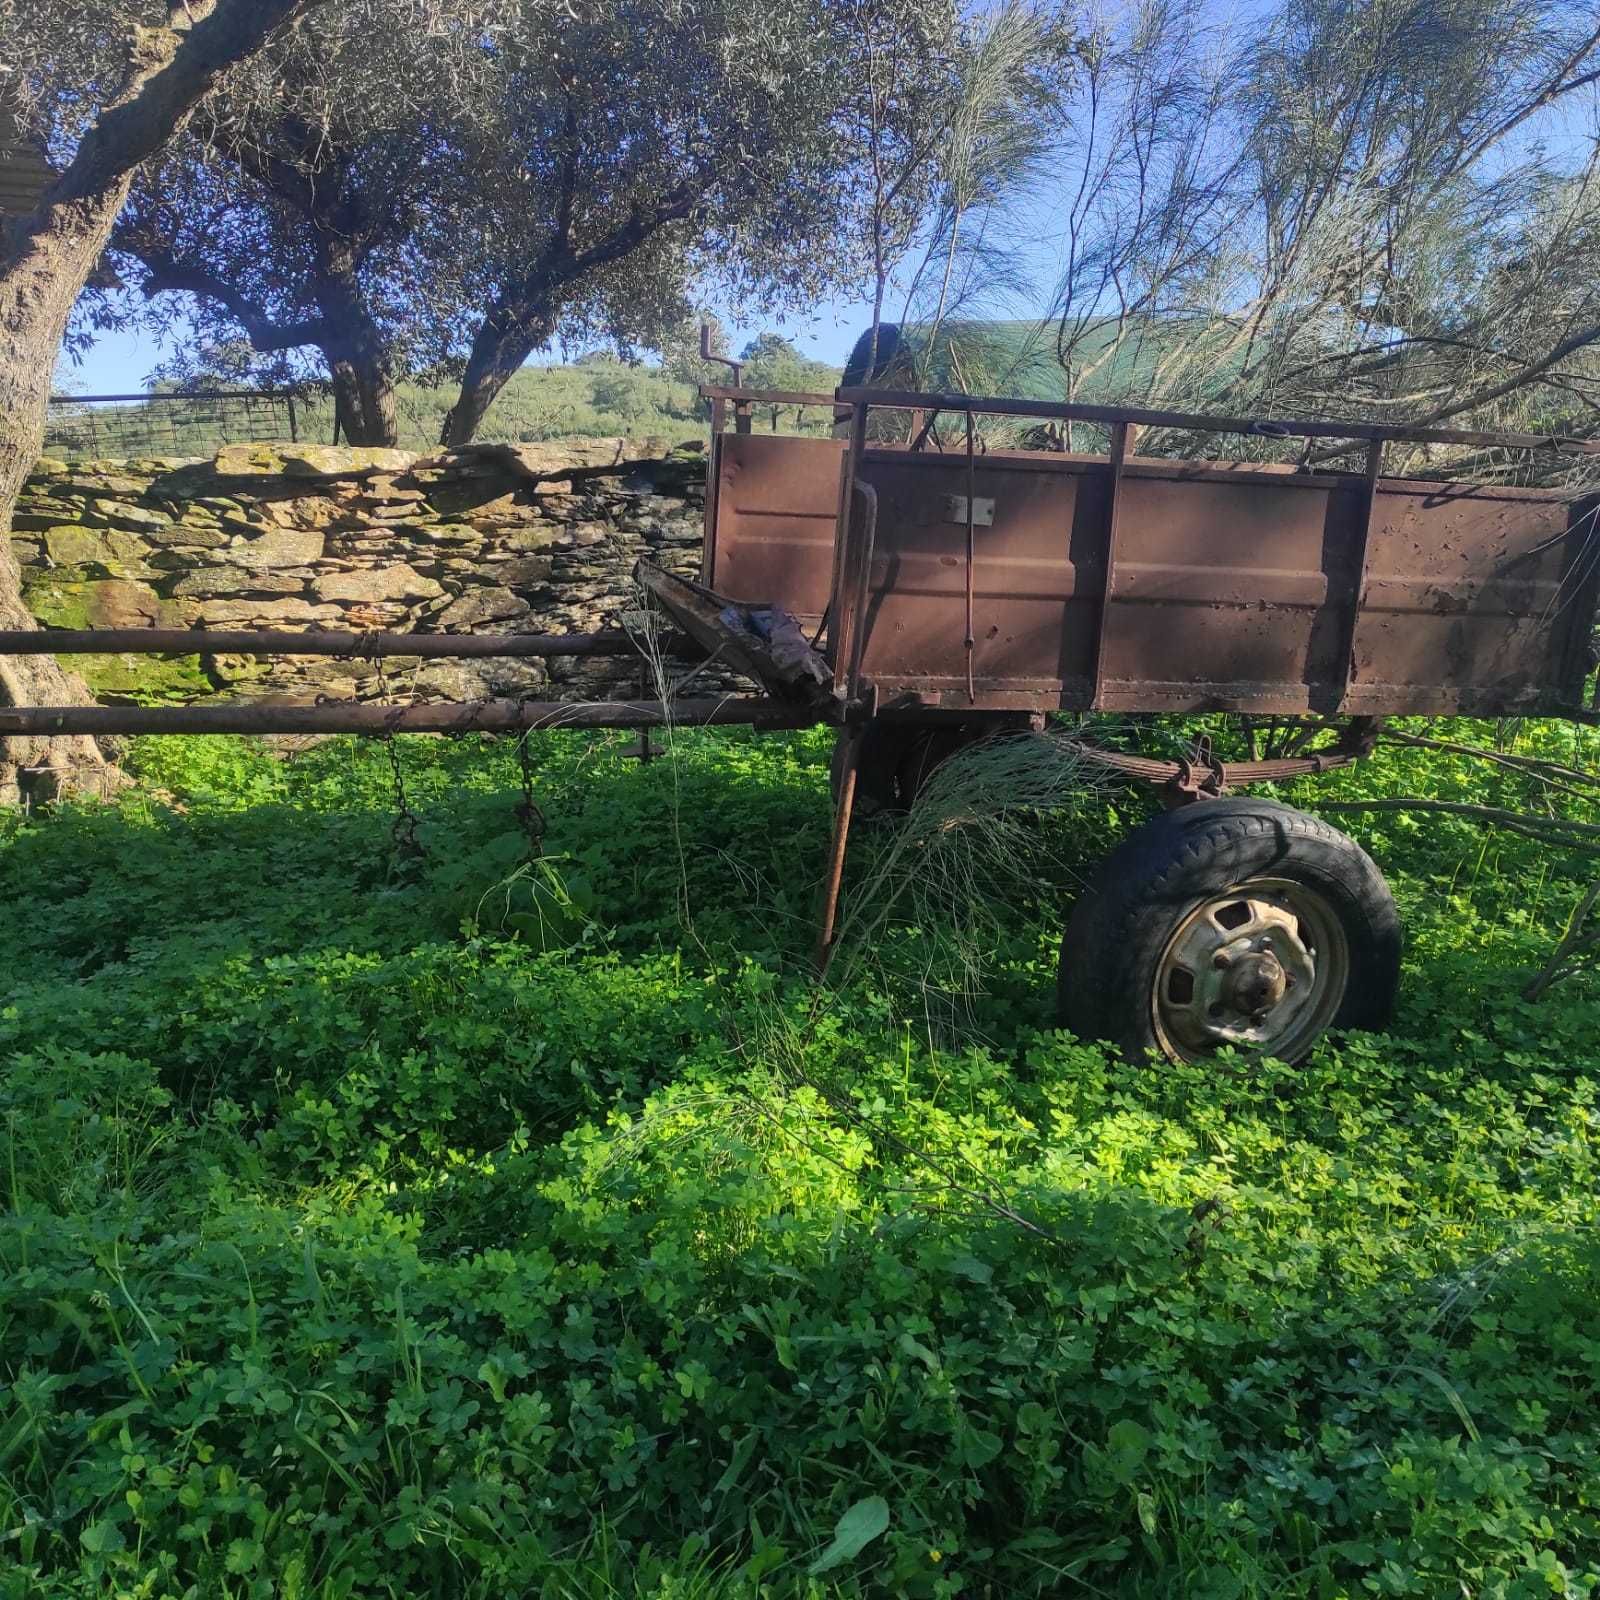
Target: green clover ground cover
x,y
478,1230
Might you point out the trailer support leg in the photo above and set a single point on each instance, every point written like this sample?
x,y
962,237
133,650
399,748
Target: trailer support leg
x,y
850,740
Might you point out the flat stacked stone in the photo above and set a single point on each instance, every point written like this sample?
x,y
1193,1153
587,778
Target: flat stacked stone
x,y
488,539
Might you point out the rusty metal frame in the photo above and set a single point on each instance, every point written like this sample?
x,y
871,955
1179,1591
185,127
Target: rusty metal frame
x,y
1200,422
450,716
843,614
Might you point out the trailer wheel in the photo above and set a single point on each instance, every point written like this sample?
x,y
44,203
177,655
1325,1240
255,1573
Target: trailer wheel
x,y
1231,922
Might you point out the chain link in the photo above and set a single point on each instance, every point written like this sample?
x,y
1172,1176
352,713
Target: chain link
x,y
403,832
528,812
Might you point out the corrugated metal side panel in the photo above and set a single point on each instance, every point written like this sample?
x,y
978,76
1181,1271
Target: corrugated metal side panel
x,y
1233,586
1472,594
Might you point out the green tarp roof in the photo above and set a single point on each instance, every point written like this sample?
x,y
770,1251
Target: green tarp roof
x,y
1017,360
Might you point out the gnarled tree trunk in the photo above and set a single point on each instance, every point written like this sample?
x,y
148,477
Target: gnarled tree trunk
x,y
45,260
358,356
503,342
363,401
37,290
363,376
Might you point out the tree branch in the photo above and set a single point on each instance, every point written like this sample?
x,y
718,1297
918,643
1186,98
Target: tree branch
x,y
267,337
171,70
674,206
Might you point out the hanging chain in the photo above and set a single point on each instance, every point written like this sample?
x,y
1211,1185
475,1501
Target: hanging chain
x,y
528,812
403,832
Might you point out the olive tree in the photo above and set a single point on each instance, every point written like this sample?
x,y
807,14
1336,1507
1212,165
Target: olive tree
x,y
374,202
635,152
104,86
307,224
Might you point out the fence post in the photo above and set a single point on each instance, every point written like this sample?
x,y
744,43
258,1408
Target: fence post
x,y
294,427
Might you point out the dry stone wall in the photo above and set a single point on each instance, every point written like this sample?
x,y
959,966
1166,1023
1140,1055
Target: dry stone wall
x,y
488,539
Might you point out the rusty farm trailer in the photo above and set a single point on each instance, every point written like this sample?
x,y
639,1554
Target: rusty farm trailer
x,y
918,596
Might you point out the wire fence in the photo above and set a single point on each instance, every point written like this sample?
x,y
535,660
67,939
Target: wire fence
x,y
121,426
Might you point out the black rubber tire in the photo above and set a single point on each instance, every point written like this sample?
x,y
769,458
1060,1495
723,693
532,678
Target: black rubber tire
x,y
1143,891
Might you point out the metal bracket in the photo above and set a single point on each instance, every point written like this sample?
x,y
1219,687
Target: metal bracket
x,y
1200,775
955,510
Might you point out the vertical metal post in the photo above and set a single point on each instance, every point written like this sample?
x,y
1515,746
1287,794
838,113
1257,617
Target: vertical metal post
x,y
1119,458
708,547
844,804
840,592
1369,496
970,643
866,540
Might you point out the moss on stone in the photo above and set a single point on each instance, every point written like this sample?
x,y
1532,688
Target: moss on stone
x,y
70,597
65,600
109,552
142,678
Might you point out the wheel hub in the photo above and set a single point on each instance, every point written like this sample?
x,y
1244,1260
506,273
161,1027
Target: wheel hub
x,y
1256,984
1262,967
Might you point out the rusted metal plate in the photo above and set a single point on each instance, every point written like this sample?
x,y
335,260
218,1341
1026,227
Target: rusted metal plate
x,y
1472,594
777,500
1233,587
1038,569
1230,590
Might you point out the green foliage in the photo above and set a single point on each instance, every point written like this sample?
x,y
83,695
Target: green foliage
x,y
480,1227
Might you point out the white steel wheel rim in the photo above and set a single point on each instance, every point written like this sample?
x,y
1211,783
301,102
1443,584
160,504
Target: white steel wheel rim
x,y
1262,967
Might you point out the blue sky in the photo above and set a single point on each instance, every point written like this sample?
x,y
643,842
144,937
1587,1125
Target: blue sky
x,y
122,362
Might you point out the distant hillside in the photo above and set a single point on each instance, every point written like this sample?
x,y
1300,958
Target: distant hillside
x,y
596,398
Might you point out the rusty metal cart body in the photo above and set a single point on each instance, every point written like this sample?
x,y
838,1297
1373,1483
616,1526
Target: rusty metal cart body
x,y
919,595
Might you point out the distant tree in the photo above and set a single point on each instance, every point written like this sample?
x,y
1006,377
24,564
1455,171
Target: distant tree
x,y
620,390
637,149
772,362
105,84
